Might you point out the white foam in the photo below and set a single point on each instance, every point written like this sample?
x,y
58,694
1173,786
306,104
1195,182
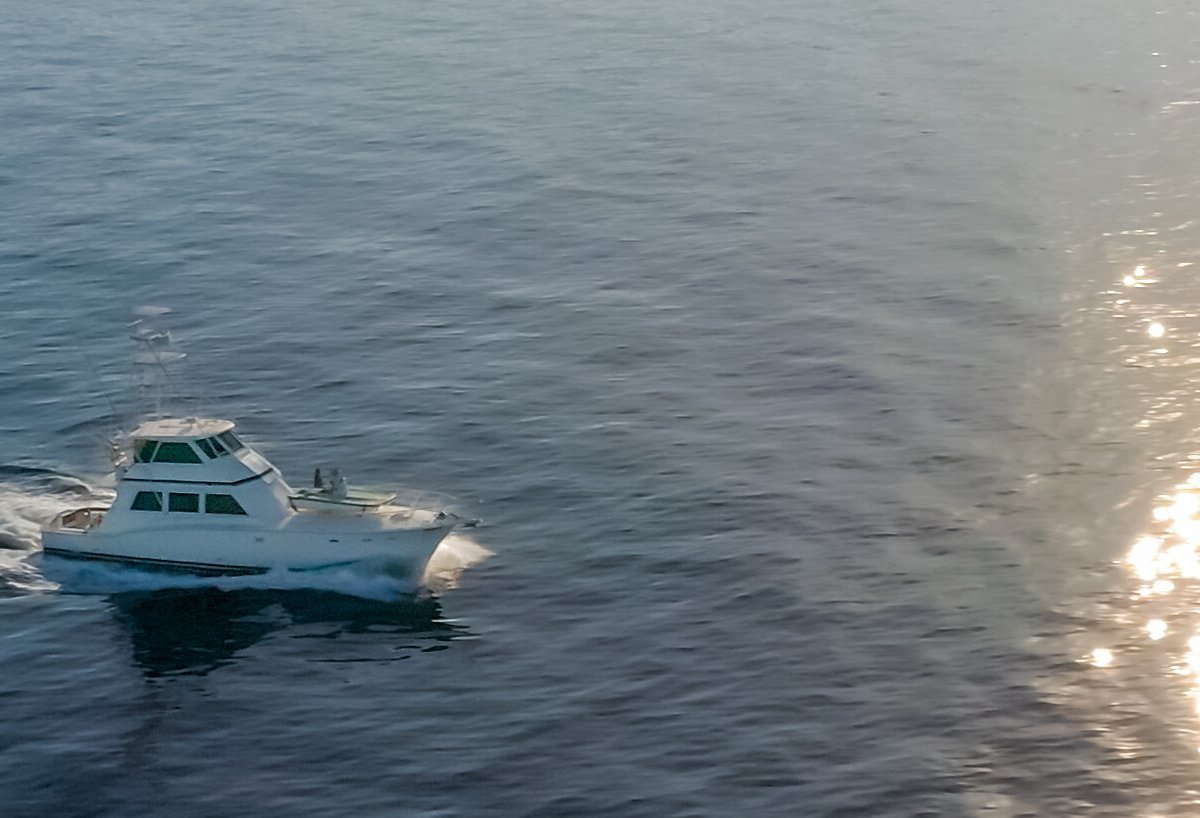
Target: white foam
x,y
24,510
455,554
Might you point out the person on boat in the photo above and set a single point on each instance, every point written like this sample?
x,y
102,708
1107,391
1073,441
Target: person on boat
x,y
338,483
318,483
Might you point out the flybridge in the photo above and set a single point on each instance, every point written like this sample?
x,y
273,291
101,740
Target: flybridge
x,y
190,450
159,450
192,427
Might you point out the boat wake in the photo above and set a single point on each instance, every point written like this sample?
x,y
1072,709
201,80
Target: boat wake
x,y
29,498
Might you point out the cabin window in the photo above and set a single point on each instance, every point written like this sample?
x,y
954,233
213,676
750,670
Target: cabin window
x,y
207,448
183,502
222,504
144,450
176,453
147,501
231,442
217,447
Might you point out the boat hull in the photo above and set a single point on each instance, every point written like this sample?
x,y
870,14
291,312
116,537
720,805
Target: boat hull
x,y
233,552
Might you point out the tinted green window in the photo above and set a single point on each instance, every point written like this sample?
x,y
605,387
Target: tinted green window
x,y
217,447
176,453
144,450
183,502
231,442
147,501
222,504
206,447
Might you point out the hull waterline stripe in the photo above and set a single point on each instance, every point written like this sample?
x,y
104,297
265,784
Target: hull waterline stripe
x,y
172,564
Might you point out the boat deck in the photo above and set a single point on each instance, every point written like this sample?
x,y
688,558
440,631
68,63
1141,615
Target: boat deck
x,y
351,498
78,519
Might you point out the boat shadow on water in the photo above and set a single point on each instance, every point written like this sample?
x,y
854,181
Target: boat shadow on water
x,y
196,630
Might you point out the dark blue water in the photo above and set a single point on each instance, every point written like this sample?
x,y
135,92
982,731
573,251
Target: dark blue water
x,y
826,378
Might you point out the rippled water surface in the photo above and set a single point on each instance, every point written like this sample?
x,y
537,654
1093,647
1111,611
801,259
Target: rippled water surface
x,y
826,376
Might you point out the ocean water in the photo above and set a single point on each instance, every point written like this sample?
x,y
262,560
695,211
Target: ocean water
x,y
826,377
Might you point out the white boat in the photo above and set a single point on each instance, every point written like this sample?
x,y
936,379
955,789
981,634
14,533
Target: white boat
x,y
191,496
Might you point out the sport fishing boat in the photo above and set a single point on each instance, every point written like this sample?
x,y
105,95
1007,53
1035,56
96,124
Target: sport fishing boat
x,y
191,496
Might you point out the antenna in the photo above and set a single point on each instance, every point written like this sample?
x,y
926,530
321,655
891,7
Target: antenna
x,y
156,351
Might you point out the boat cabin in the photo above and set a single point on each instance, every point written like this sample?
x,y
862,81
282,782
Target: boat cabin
x,y
191,468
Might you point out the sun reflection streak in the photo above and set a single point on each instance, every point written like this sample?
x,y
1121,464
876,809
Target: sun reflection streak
x,y
1140,277
1163,558
1192,668
1162,587
1146,559
1155,562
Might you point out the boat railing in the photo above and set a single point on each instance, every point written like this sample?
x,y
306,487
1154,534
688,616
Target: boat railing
x,y
79,519
411,498
401,502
